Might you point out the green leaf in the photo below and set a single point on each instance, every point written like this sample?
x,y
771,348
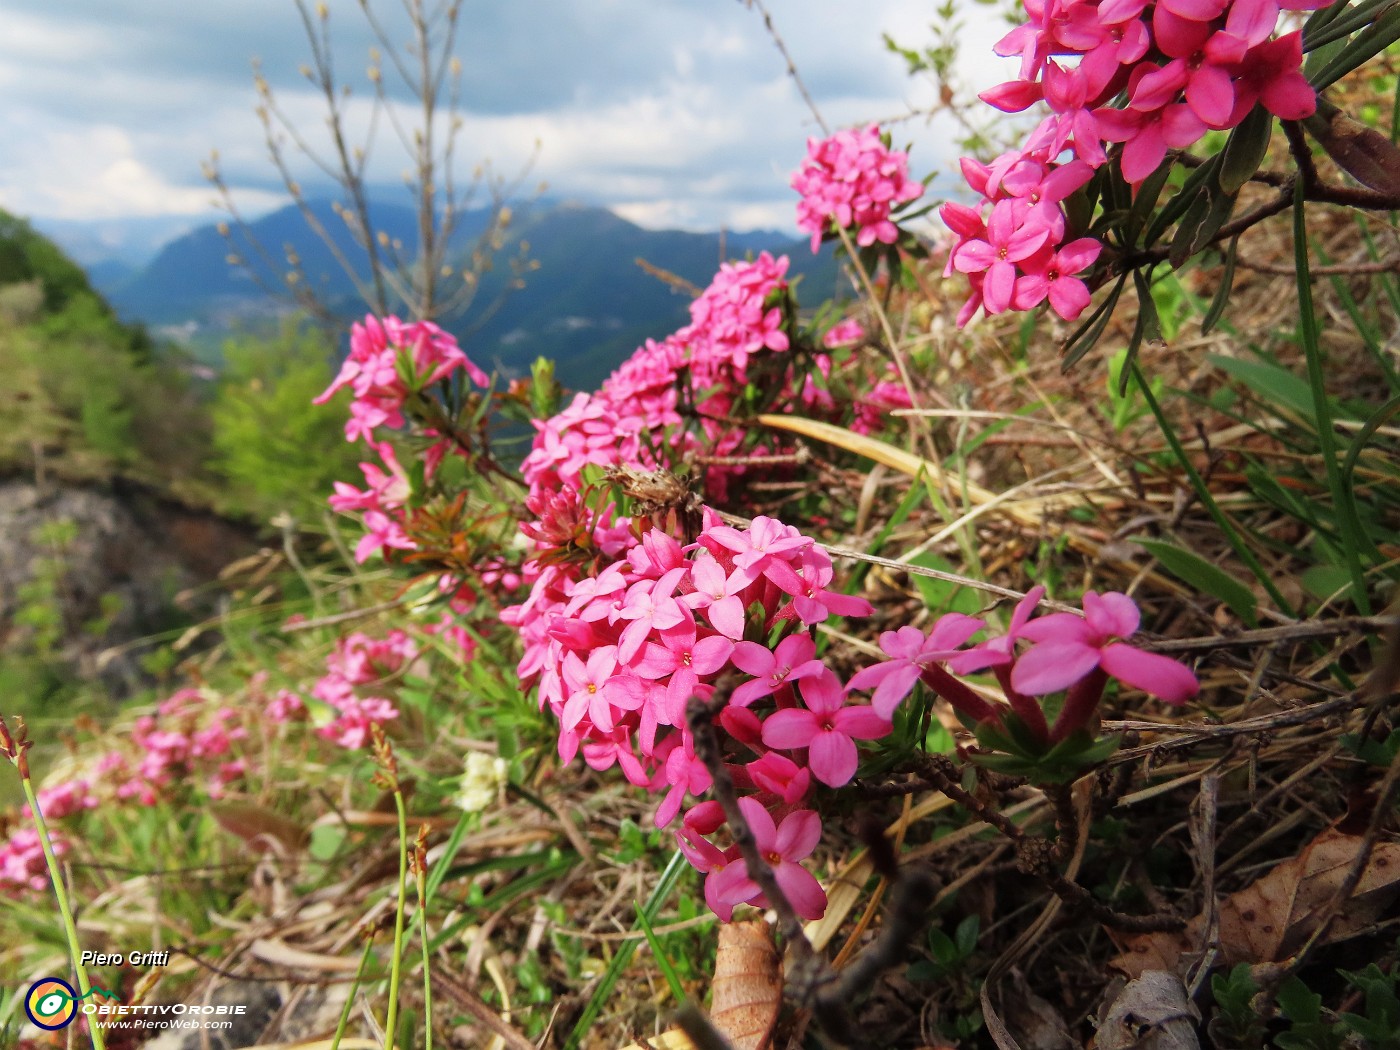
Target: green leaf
x,y
1201,223
1176,207
1148,327
658,953
1205,577
1366,45
943,595
1222,293
664,886
1245,150
1146,200
966,935
1274,386
1088,333
1325,582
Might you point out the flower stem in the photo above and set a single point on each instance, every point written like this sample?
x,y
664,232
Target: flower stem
x,y
75,949
1080,704
961,696
396,960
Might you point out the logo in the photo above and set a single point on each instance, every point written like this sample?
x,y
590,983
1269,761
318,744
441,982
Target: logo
x,y
52,1003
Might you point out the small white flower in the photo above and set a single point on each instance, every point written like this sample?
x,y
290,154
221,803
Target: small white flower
x,y
481,781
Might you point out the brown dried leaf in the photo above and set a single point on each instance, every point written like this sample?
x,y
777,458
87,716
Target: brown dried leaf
x,y
1272,918
1362,152
748,985
1150,1013
253,823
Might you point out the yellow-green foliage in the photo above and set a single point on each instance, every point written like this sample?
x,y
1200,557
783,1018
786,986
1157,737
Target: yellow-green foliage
x,y
278,451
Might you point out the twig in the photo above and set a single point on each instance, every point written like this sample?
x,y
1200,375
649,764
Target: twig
x,y
808,966
791,65
699,1029
1286,632
457,993
1391,265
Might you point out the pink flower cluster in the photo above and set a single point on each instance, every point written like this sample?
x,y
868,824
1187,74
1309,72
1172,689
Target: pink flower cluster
x,y
184,736
22,864
63,800
381,504
390,361
187,737
618,650
852,181
739,315
1184,67
356,662
1067,653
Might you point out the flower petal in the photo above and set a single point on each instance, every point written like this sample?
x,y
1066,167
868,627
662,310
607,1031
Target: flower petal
x,y
1154,674
1052,666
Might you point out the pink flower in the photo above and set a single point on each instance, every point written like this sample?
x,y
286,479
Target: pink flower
x,y
852,180
351,728
719,594
710,861
782,846
844,333
1067,648
910,653
794,658
827,728
1010,238
781,777
1147,134
684,773
1271,74
755,547
1053,278
687,659
284,707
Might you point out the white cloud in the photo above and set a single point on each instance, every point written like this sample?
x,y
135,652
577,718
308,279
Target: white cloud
x,y
675,112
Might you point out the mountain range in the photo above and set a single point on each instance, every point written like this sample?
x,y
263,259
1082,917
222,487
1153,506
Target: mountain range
x,y
587,302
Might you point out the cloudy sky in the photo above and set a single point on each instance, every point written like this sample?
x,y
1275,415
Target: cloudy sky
x,y
673,112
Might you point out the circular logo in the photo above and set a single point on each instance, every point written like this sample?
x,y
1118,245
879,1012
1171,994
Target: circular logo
x,y
51,1004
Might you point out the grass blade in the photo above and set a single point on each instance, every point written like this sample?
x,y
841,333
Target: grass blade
x,y
610,977
1348,524
659,954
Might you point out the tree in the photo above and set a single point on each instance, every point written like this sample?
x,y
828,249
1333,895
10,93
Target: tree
x,y
457,233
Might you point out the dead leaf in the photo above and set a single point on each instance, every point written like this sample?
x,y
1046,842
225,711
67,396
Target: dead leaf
x,y
748,985
280,953
252,822
1150,1013
1270,919
1038,1025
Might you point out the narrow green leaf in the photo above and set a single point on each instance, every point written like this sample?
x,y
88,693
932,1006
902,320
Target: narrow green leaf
x,y
664,886
1325,582
943,595
1148,327
1191,222
1276,387
1366,45
659,954
1087,334
449,854
1342,497
1222,293
1146,200
1176,207
1205,577
1344,24
1321,19
1207,499
1245,150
